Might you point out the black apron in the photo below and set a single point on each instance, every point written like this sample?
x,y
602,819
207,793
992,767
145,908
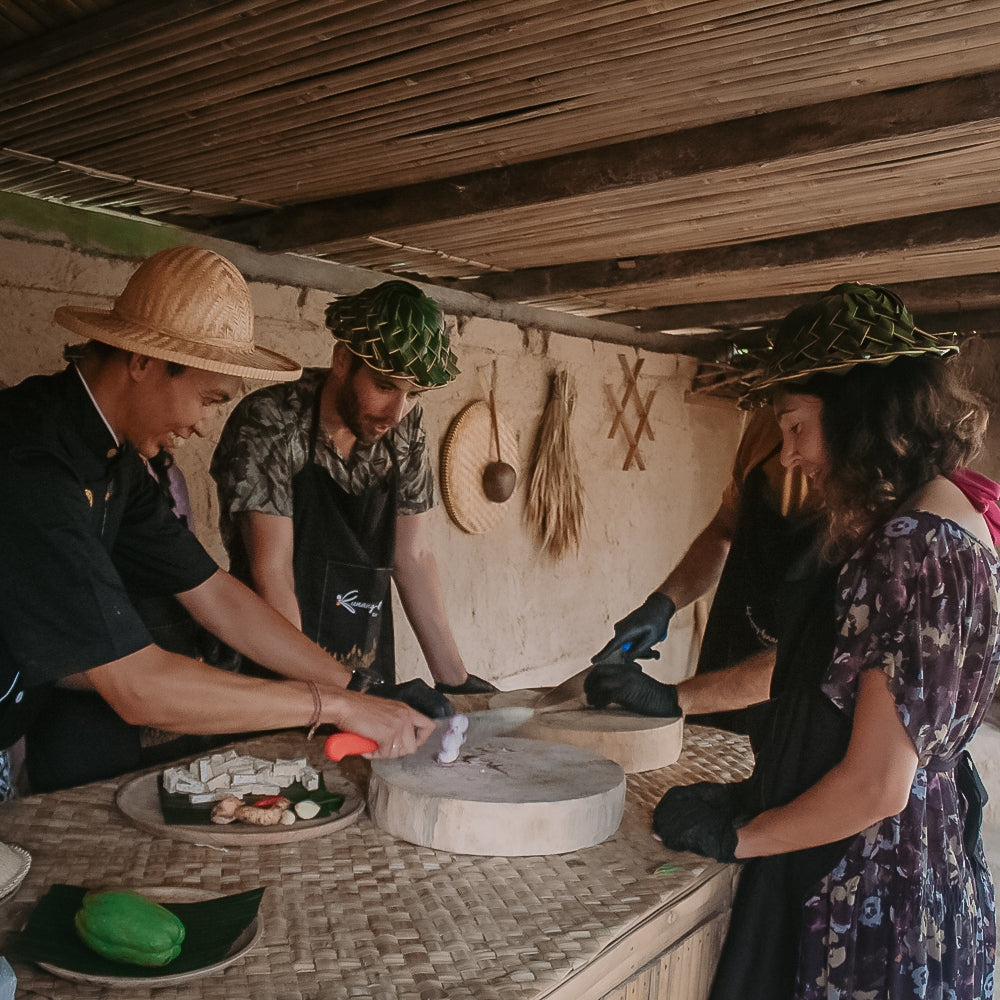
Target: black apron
x,y
802,735
344,549
746,610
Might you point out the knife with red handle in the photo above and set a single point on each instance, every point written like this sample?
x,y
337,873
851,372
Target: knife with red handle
x,y
341,745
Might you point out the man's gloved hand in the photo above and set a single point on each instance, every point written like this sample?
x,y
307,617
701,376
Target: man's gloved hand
x,y
629,687
471,685
641,629
701,818
417,695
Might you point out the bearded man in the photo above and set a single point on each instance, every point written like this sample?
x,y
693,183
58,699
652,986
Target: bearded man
x,y
325,487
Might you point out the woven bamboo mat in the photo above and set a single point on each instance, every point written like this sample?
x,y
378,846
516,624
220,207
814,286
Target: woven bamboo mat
x,y
359,914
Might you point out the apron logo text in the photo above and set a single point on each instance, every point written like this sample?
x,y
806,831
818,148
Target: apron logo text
x,y
350,602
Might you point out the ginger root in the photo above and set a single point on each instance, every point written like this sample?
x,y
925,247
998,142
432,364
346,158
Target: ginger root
x,y
232,809
262,817
224,811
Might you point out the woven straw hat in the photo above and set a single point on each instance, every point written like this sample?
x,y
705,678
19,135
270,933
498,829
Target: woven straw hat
x,y
188,305
397,330
852,324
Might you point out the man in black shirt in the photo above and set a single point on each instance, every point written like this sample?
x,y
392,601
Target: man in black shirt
x,y
85,526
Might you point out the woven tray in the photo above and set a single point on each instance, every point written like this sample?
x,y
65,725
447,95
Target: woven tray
x,y
359,914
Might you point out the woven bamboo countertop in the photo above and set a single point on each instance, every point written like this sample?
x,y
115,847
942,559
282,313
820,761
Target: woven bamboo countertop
x,y
359,914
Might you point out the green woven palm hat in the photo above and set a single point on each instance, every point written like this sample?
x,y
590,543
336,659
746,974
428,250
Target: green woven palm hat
x,y
850,325
397,330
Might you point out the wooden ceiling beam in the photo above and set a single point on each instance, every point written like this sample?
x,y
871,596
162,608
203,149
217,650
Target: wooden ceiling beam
x,y
108,27
316,226
935,232
968,304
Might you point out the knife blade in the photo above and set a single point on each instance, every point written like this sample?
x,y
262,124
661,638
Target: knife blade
x,y
570,693
481,726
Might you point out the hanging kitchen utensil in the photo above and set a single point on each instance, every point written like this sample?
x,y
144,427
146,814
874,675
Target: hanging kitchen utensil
x,y
499,477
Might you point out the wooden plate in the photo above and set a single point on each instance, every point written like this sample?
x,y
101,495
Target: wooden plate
x,y
139,800
508,797
165,894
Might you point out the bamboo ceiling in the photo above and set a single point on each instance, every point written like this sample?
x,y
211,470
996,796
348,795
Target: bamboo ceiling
x,y
689,170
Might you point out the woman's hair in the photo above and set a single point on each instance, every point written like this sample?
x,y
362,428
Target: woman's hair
x,y
888,430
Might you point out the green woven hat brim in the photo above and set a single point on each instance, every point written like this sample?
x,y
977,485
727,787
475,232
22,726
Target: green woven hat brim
x,y
851,325
396,330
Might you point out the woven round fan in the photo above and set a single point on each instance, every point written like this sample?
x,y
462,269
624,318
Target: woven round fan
x,y
469,446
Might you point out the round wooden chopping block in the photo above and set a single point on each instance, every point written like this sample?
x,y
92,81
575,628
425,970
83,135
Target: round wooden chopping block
x,y
636,742
509,797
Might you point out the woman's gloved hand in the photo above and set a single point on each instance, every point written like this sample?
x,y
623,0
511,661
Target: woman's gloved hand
x,y
471,685
626,685
641,629
702,818
417,695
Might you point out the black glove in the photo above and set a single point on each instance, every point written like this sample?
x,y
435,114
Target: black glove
x,y
417,695
630,688
641,629
471,685
701,818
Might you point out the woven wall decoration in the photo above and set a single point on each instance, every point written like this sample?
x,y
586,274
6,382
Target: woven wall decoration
x,y
642,413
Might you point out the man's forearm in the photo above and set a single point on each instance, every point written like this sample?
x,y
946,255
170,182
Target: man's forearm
x,y
701,565
419,587
745,683
237,616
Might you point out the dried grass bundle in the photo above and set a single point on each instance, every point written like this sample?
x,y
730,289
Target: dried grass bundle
x,y
555,494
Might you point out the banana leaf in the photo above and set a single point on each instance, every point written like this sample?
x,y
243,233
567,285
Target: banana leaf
x,y
215,929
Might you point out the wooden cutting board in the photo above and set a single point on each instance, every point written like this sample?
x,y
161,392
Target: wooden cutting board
x,y
636,742
510,797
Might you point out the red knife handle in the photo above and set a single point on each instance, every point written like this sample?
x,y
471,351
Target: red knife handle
x,y
341,745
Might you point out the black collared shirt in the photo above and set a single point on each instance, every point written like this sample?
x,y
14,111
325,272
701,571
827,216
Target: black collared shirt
x,y
82,525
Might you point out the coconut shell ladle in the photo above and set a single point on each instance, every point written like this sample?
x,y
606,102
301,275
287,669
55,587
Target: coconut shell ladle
x,y
499,477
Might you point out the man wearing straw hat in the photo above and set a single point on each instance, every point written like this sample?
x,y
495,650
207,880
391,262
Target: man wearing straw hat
x,y
324,488
84,524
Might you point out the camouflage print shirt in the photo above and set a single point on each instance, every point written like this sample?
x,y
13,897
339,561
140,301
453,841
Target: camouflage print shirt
x,y
265,443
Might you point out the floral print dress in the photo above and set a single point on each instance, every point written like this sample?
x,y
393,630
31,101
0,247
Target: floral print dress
x,y
907,913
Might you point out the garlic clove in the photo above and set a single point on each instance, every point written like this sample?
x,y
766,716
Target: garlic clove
x,y
306,809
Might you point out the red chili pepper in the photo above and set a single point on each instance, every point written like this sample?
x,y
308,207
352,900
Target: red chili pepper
x,y
268,802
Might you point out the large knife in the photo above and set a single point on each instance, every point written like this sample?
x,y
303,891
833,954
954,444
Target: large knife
x,y
450,733
570,694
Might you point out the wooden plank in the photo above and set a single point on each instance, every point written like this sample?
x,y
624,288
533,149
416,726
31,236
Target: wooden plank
x,y
686,969
935,232
785,134
228,158
711,898
847,186
209,100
